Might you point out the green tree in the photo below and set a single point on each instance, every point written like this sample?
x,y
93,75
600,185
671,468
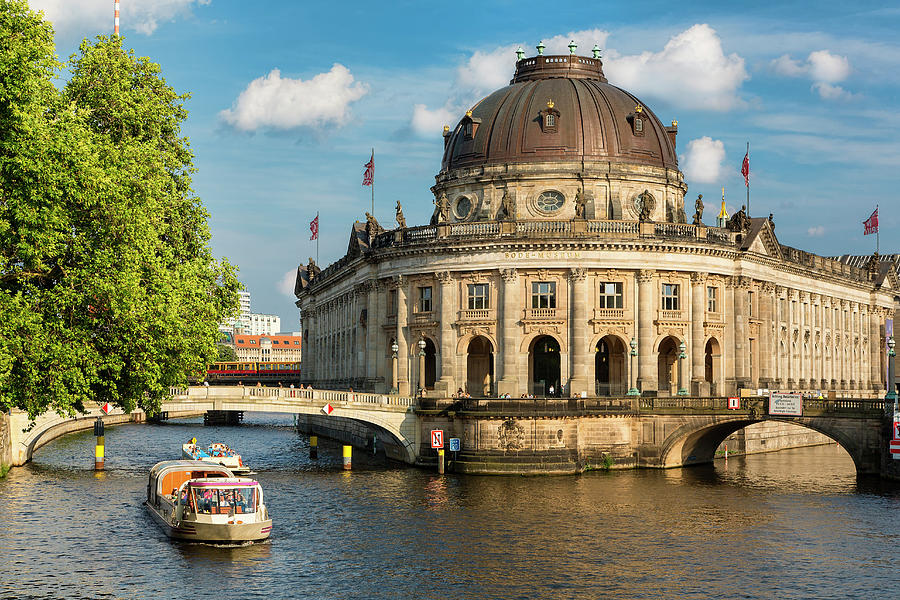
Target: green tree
x,y
108,289
226,354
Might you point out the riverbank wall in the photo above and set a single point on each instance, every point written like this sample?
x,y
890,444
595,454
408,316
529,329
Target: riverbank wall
x,y
353,433
5,444
771,437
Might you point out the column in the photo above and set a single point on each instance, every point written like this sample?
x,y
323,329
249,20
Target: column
x,y
373,322
401,284
647,380
447,383
767,349
741,332
580,374
804,343
509,381
382,346
875,345
698,316
308,353
852,359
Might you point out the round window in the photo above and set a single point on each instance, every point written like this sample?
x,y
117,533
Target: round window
x,y
550,201
463,208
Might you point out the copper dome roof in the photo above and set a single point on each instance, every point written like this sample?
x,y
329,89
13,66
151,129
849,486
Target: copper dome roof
x,y
595,120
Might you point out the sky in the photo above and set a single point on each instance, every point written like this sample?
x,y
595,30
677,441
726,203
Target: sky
x,y
288,99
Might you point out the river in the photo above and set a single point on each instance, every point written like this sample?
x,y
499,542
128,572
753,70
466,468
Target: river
x,y
793,524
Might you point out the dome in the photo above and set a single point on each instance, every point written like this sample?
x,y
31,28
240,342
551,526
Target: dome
x,y
589,119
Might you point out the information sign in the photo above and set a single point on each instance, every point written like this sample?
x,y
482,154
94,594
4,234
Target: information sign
x,y
786,404
437,438
734,403
895,449
454,444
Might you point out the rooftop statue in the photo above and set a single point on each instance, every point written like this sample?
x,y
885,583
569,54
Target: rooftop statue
x,y
312,268
579,204
739,221
698,210
372,226
507,210
441,212
401,220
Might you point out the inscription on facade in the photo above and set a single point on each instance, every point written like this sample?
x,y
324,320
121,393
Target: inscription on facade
x,y
542,254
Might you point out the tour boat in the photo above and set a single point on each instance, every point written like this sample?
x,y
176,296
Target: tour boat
x,y
199,501
216,453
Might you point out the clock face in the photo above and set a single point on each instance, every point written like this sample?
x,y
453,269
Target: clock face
x,y
550,201
463,208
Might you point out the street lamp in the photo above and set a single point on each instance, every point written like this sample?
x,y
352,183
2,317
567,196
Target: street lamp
x,y
422,366
394,348
891,385
633,391
682,391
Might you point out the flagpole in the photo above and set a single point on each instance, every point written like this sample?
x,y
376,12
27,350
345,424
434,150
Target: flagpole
x,y
877,242
373,182
317,237
748,178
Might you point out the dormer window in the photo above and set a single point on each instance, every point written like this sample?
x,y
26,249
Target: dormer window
x,y
470,125
549,118
637,120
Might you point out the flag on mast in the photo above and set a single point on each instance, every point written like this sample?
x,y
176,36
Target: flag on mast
x,y
871,224
369,175
745,168
314,228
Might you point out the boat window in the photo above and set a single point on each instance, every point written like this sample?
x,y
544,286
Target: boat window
x,y
221,501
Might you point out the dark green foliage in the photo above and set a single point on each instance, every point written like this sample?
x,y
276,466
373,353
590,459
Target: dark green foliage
x,y
108,289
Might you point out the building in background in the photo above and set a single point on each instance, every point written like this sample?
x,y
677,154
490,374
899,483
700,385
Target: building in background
x,y
242,321
268,348
260,324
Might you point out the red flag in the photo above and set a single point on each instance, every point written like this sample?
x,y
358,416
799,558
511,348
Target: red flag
x,y
745,169
314,228
871,223
369,175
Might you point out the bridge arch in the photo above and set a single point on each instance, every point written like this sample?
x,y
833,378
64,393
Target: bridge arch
x,y
696,441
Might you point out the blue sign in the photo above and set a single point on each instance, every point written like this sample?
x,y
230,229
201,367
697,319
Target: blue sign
x,y
454,444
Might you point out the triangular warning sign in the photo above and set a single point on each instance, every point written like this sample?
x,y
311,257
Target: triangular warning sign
x,y
327,409
106,408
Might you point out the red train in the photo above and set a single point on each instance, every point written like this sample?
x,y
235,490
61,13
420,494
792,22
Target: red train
x,y
247,373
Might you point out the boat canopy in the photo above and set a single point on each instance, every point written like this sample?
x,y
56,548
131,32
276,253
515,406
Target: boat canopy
x,y
167,476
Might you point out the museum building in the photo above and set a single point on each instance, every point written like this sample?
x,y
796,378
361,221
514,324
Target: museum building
x,y
560,261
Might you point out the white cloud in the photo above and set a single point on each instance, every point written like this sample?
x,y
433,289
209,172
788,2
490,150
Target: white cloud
x,y
827,67
285,285
691,71
487,71
788,67
282,103
703,161
822,67
143,16
817,231
429,122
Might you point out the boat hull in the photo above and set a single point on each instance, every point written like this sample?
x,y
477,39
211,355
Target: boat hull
x,y
214,533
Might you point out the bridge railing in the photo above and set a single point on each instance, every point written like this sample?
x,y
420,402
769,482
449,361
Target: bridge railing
x,y
281,393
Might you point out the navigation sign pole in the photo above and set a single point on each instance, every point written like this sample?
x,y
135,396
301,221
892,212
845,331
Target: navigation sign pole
x,y
437,442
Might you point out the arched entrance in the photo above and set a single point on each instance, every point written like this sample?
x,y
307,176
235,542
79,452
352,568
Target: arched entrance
x,y
544,363
667,370
712,366
609,367
430,364
479,367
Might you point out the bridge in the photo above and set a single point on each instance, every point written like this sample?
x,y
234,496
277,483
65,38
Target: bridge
x,y
519,435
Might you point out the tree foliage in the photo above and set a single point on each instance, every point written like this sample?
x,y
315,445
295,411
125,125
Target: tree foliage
x,y
226,354
108,289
